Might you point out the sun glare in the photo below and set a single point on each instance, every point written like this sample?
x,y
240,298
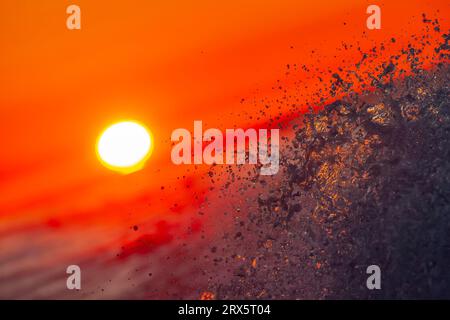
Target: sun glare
x,y
125,146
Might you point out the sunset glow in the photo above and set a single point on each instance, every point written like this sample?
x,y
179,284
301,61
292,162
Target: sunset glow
x,y
224,150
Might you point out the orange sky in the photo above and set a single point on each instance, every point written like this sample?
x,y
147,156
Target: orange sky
x,y
165,64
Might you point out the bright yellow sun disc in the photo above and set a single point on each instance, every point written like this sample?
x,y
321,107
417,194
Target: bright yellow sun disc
x,y
124,146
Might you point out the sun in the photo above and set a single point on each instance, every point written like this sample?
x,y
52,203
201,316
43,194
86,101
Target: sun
x,y
124,146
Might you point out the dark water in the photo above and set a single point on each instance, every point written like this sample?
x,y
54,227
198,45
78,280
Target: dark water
x,y
365,181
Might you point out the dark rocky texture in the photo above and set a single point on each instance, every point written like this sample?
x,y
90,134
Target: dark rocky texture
x,y
365,180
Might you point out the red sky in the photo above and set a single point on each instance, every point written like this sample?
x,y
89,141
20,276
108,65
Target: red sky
x,y
165,64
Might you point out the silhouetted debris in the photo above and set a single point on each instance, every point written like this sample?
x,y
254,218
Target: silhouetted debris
x,y
364,181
